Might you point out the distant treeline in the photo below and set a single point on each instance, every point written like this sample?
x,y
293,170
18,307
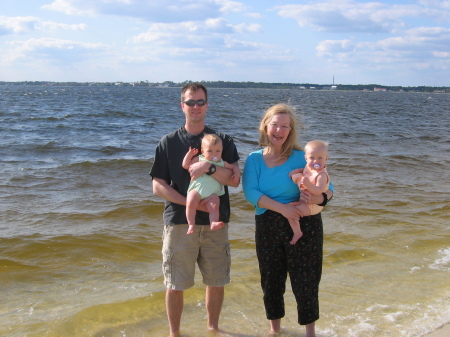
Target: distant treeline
x,y
254,85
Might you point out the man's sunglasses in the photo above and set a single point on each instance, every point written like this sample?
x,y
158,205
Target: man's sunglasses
x,y
191,102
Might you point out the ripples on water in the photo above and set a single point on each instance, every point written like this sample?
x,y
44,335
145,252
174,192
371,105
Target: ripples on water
x,y
80,229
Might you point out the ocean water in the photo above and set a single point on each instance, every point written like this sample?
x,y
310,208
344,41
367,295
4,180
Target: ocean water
x,y
80,230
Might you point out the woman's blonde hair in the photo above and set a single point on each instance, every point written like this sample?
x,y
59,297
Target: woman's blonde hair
x,y
291,142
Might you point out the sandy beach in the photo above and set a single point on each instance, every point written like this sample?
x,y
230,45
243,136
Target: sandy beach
x,y
442,332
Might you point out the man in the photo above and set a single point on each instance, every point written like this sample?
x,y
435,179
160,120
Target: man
x,y
210,249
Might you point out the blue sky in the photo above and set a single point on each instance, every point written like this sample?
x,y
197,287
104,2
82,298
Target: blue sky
x,y
358,42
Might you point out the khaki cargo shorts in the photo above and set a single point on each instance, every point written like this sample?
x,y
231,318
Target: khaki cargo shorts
x,y
211,251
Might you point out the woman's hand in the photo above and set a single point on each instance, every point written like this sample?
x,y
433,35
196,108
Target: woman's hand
x,y
290,212
296,171
309,198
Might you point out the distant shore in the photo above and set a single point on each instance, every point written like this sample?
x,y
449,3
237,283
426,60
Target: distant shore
x,y
248,85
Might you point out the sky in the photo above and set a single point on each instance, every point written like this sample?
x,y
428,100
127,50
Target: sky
x,y
404,43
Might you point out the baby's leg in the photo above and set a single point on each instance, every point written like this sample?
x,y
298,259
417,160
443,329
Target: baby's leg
x,y
295,225
304,209
192,201
213,207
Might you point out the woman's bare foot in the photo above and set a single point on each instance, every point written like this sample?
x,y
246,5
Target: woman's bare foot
x,y
275,326
215,225
311,330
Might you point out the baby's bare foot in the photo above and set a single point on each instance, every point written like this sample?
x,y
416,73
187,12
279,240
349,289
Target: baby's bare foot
x,y
215,225
295,238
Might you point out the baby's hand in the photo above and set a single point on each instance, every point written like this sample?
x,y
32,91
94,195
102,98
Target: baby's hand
x,y
306,183
193,151
235,178
297,177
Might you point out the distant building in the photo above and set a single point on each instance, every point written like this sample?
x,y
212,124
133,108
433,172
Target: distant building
x,y
379,89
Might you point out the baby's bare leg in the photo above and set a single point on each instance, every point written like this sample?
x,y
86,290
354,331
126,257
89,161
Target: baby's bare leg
x,y
295,225
192,201
213,207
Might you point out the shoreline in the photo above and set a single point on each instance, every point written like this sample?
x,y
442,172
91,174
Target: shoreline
x,y
443,331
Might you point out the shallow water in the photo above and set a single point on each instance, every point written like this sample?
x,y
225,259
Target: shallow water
x,y
80,229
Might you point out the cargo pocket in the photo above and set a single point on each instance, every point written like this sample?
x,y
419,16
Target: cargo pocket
x,y
167,265
228,254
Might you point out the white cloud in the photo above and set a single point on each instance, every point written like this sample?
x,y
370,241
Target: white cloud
x,y
436,3
422,47
28,24
227,6
210,34
55,26
358,17
251,28
149,10
52,49
228,40
17,25
190,33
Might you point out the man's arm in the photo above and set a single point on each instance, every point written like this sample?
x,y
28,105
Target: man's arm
x,y
236,176
222,175
162,189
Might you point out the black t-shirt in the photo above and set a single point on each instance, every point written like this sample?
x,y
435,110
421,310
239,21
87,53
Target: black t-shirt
x,y
168,166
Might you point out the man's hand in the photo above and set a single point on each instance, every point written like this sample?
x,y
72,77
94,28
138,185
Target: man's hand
x,y
199,168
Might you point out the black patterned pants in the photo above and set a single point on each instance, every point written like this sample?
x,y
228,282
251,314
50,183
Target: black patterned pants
x,y
303,261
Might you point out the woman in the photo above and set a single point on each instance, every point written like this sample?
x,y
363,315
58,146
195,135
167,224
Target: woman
x,y
268,186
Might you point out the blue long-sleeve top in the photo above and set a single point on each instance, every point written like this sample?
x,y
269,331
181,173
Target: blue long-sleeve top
x,y
259,180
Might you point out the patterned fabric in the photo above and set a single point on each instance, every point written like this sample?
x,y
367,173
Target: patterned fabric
x,y
303,262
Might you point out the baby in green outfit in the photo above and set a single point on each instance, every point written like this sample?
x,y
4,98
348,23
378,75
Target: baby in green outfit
x,y
206,186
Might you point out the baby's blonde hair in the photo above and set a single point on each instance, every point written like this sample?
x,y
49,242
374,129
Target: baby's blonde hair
x,y
211,139
314,144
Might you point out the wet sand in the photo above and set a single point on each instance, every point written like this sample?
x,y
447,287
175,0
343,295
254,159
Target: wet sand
x,y
441,332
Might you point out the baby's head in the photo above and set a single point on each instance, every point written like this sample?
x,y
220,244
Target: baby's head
x,y
212,147
316,154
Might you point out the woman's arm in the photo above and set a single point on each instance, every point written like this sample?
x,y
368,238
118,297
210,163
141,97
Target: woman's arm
x,y
289,210
309,198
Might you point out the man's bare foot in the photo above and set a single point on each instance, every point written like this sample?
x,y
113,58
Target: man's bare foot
x,y
191,229
215,225
295,238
